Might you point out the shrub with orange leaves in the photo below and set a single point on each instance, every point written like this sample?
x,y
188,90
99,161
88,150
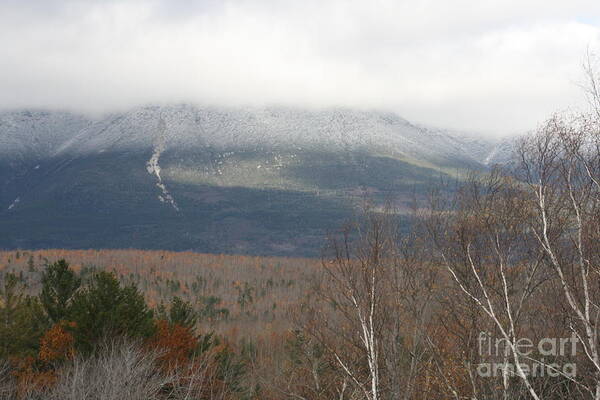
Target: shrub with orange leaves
x,y
38,374
175,342
57,343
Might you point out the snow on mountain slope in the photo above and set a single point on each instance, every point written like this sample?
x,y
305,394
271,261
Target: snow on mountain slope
x,y
250,180
27,139
28,135
281,135
338,130
503,152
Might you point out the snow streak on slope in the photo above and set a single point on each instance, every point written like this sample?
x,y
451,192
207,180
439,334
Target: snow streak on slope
x,y
14,203
153,167
504,152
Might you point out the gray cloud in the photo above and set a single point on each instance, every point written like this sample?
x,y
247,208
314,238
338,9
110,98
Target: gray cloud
x,y
491,66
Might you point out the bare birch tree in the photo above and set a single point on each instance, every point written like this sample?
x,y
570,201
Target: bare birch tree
x,y
561,166
370,307
481,239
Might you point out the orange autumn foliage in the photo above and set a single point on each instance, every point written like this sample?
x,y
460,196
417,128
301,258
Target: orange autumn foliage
x,y
57,343
37,373
175,343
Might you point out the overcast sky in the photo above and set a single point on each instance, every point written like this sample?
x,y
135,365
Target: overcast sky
x,y
481,65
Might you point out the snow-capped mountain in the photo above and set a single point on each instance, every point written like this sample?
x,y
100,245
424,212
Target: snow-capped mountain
x,y
43,134
263,180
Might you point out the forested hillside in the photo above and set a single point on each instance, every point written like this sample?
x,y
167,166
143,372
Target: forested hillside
x,y
259,181
255,294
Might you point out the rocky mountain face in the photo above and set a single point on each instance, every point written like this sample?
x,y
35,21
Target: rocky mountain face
x,y
258,181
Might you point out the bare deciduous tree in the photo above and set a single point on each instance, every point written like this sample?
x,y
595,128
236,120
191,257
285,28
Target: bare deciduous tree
x,y
370,306
561,166
482,241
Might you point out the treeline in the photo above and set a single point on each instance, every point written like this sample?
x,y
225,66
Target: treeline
x,y
99,339
232,294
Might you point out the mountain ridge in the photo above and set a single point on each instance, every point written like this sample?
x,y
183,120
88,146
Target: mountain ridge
x,y
238,172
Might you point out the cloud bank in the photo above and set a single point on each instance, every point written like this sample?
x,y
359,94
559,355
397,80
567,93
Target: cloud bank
x,y
491,66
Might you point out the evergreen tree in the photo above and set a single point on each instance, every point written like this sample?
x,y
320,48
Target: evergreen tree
x,y
180,313
105,309
22,320
59,285
30,264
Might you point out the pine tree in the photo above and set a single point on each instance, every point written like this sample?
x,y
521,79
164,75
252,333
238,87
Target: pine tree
x,y
22,320
105,309
59,285
180,313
